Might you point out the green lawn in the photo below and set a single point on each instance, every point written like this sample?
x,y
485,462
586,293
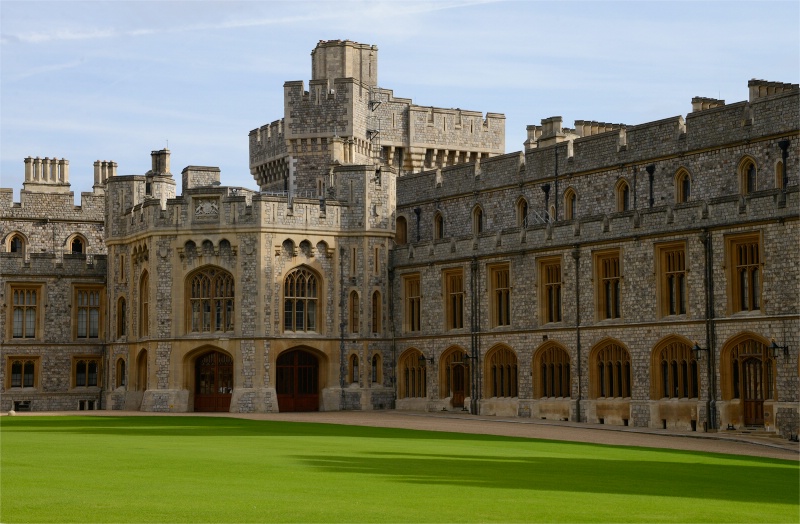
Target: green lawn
x,y
195,469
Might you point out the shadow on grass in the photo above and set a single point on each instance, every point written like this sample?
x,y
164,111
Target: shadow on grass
x,y
649,478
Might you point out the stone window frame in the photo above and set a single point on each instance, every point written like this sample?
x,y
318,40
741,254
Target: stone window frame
x,y
614,376
376,311
94,292
401,231
412,375
672,273
438,226
24,361
454,297
551,371
674,370
551,306
353,373
87,361
683,185
570,204
779,174
144,304
478,224
744,253
312,300
747,171
501,372
354,310
608,277
210,290
70,244
120,373
16,242
12,289
376,370
522,210
499,294
412,303
622,190
122,317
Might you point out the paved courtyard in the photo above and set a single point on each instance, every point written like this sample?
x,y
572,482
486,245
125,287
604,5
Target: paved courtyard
x,y
736,443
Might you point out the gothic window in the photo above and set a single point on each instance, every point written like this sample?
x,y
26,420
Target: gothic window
x,y
477,220
412,375
354,369
377,369
674,372
683,186
747,369
23,372
454,298
77,245
438,227
551,372
401,235
744,282
300,300
85,372
413,302
748,182
550,288
570,204
122,317
501,370
500,289
25,311
623,196
355,308
16,244
610,372
121,376
522,212
144,305
376,312
671,269
779,174
211,295
88,312
608,287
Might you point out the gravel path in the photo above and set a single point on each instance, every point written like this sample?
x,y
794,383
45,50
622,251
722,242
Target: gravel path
x,y
721,442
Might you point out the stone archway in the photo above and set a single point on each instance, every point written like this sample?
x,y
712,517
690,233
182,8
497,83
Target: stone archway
x,y
213,381
297,381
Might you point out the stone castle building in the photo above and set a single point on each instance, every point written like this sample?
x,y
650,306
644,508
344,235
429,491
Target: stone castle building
x,y
394,257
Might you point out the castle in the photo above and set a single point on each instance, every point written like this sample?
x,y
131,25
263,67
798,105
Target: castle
x,y
394,257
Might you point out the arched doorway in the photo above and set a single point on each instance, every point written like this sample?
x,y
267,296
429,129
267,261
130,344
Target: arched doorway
x,y
454,376
748,375
297,381
213,382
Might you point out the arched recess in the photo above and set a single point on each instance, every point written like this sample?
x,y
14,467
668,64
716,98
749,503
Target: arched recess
x,y
76,244
376,370
208,373
779,174
552,375
501,372
141,371
748,175
570,204
477,220
144,304
412,374
302,300
748,374
298,373
438,226
623,194
401,231
609,370
522,212
16,242
454,376
683,186
674,371
120,375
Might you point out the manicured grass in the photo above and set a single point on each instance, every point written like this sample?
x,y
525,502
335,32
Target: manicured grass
x,y
195,469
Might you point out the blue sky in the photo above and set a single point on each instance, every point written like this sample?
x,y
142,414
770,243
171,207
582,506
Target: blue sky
x,y
98,80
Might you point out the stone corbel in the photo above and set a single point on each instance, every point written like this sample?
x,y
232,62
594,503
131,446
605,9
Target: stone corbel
x,y
330,251
181,254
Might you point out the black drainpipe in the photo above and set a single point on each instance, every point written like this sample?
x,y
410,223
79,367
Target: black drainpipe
x,y
708,281
635,176
576,255
546,189
417,211
555,196
342,369
784,145
390,297
650,170
473,405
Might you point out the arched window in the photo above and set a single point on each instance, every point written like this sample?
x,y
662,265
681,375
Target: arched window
x,y
141,371
501,371
623,196
300,302
610,372
674,371
401,235
77,245
122,317
23,373
376,312
438,226
522,212
570,204
376,371
16,244
748,182
477,220
210,304
355,307
683,186
121,376
779,175
551,373
413,375
144,305
354,369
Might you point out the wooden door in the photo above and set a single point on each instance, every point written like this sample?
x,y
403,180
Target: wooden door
x,y
753,385
458,371
297,381
213,382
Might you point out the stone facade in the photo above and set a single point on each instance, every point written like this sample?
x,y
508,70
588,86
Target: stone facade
x,y
629,275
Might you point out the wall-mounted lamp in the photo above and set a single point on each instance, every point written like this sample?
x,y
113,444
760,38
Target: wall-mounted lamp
x,y
422,360
775,347
696,349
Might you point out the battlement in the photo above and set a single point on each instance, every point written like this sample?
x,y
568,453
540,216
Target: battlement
x,y
700,103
